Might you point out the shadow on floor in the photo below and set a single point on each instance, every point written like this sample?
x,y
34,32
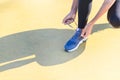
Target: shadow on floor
x,y
45,44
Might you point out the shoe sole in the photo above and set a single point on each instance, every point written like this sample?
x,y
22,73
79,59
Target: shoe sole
x,y
77,45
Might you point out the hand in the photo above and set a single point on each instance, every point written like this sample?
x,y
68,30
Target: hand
x,y
69,18
87,30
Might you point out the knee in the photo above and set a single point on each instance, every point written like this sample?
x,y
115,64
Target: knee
x,y
115,22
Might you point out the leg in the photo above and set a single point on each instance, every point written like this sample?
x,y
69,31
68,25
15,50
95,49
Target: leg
x,y
84,8
114,14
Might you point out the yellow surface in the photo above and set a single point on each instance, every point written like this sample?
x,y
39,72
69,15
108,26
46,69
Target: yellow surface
x,y
32,39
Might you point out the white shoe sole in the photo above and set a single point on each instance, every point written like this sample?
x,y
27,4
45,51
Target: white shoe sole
x,y
77,45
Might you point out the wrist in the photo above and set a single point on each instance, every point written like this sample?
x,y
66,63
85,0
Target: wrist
x,y
92,21
73,11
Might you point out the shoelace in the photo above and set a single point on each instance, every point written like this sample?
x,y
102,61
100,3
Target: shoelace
x,y
75,29
72,26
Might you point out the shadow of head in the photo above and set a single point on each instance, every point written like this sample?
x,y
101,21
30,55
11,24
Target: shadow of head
x,y
46,44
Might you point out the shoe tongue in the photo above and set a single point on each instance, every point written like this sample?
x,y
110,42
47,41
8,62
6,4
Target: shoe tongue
x,y
77,29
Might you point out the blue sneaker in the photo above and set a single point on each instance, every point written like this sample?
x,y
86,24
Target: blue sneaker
x,y
75,41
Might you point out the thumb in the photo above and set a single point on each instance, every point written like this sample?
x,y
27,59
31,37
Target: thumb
x,y
83,33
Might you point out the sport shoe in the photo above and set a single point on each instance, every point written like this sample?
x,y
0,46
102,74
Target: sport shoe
x,y
75,41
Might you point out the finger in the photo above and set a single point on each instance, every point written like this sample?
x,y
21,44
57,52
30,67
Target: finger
x,y
64,21
70,21
86,35
83,32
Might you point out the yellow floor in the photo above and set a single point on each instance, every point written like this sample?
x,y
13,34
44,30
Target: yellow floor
x,y
32,39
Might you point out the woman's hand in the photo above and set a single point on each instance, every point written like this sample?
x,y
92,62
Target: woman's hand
x,y
69,18
87,30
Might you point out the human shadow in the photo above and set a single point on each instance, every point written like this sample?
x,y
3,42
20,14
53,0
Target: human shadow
x,y
45,44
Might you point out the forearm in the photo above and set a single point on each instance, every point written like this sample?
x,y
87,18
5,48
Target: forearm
x,y
105,7
74,6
